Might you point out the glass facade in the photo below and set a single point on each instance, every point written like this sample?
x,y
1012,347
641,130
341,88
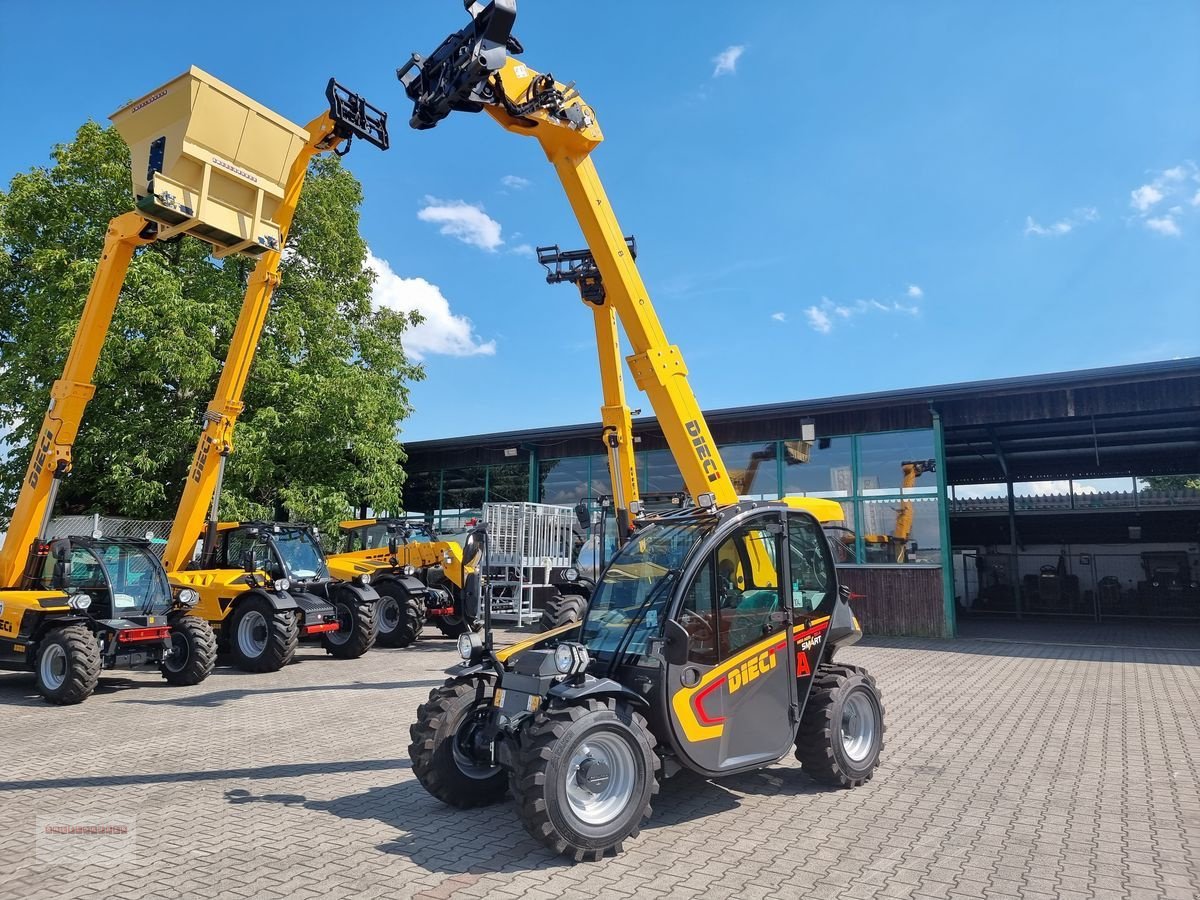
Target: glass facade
x,y
885,482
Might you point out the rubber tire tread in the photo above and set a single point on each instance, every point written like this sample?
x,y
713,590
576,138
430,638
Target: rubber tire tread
x,y
817,732
83,659
430,751
283,637
362,638
561,610
536,750
203,656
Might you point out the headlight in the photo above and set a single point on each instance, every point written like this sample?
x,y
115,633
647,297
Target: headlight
x,y
79,602
363,579
283,584
571,574
464,645
570,659
189,597
410,570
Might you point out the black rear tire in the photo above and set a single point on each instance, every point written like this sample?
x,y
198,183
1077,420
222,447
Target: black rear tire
x,y
356,634
68,664
453,626
193,652
276,635
584,810
399,616
832,743
438,749
563,609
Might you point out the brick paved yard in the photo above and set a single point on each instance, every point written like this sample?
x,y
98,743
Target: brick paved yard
x,y
1011,770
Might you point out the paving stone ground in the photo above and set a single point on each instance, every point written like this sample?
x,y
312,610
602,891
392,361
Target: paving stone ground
x,y
1012,769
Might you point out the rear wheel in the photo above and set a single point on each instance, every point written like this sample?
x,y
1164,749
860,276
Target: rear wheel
x,y
585,777
356,632
443,745
68,664
841,733
562,609
399,616
193,652
453,626
262,639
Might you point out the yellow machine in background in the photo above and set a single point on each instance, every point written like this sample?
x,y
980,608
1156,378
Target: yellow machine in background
x,y
893,548
258,615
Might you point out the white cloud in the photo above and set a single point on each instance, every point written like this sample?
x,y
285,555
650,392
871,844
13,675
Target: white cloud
x,y
823,316
515,182
818,319
725,62
914,291
779,316
464,221
523,250
1174,186
442,332
1145,197
1062,226
1164,225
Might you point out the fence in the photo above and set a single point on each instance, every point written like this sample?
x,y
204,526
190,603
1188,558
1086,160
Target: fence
x,y
526,541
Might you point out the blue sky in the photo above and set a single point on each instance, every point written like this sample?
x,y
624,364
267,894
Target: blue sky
x,y
829,197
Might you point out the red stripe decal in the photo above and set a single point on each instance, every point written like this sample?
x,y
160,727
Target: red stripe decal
x,y
698,704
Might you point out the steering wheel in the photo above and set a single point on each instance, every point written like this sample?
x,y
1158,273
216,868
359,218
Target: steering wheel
x,y
688,616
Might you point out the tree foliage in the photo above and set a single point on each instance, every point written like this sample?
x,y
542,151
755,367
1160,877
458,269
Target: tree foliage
x,y
327,390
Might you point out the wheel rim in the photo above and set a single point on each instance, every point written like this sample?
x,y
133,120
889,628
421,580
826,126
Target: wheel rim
x,y
181,651
858,726
252,634
389,615
53,667
467,764
345,617
600,778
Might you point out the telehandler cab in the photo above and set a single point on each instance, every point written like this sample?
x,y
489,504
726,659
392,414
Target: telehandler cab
x,y
710,640
256,618
419,577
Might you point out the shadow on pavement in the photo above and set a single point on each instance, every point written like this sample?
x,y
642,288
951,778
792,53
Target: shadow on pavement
x,y
217,698
1037,646
286,770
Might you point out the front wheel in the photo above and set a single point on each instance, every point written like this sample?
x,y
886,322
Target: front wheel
x,y
841,732
262,639
453,626
68,665
585,777
399,616
444,751
356,633
193,652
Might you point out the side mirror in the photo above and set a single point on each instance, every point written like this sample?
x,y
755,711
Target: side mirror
x,y
583,515
249,561
393,545
678,644
472,596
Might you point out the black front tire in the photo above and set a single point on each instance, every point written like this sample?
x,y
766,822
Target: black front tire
x,y
68,665
439,753
399,616
357,629
453,626
193,652
831,743
280,635
555,796
563,609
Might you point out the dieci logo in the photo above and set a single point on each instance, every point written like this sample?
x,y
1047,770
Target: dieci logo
x,y
703,451
752,669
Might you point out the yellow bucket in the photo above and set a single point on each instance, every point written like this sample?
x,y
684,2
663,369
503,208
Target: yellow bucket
x,y
210,162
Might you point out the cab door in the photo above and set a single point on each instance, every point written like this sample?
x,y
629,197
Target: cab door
x,y
733,702
813,588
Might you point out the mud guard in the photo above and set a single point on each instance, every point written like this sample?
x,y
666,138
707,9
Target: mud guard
x,y
844,629
414,587
358,594
596,687
281,601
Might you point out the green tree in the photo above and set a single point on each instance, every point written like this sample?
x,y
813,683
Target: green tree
x,y
1169,482
327,390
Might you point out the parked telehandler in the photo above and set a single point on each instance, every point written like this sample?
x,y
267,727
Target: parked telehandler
x,y
710,641
259,615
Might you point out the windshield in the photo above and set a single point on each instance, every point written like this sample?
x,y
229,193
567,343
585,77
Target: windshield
x,y
636,587
137,578
301,555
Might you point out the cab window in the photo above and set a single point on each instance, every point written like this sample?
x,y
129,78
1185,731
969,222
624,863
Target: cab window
x,y
697,615
813,577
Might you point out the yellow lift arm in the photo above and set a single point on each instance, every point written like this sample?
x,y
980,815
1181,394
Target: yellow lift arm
x,y
473,71
348,116
579,268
